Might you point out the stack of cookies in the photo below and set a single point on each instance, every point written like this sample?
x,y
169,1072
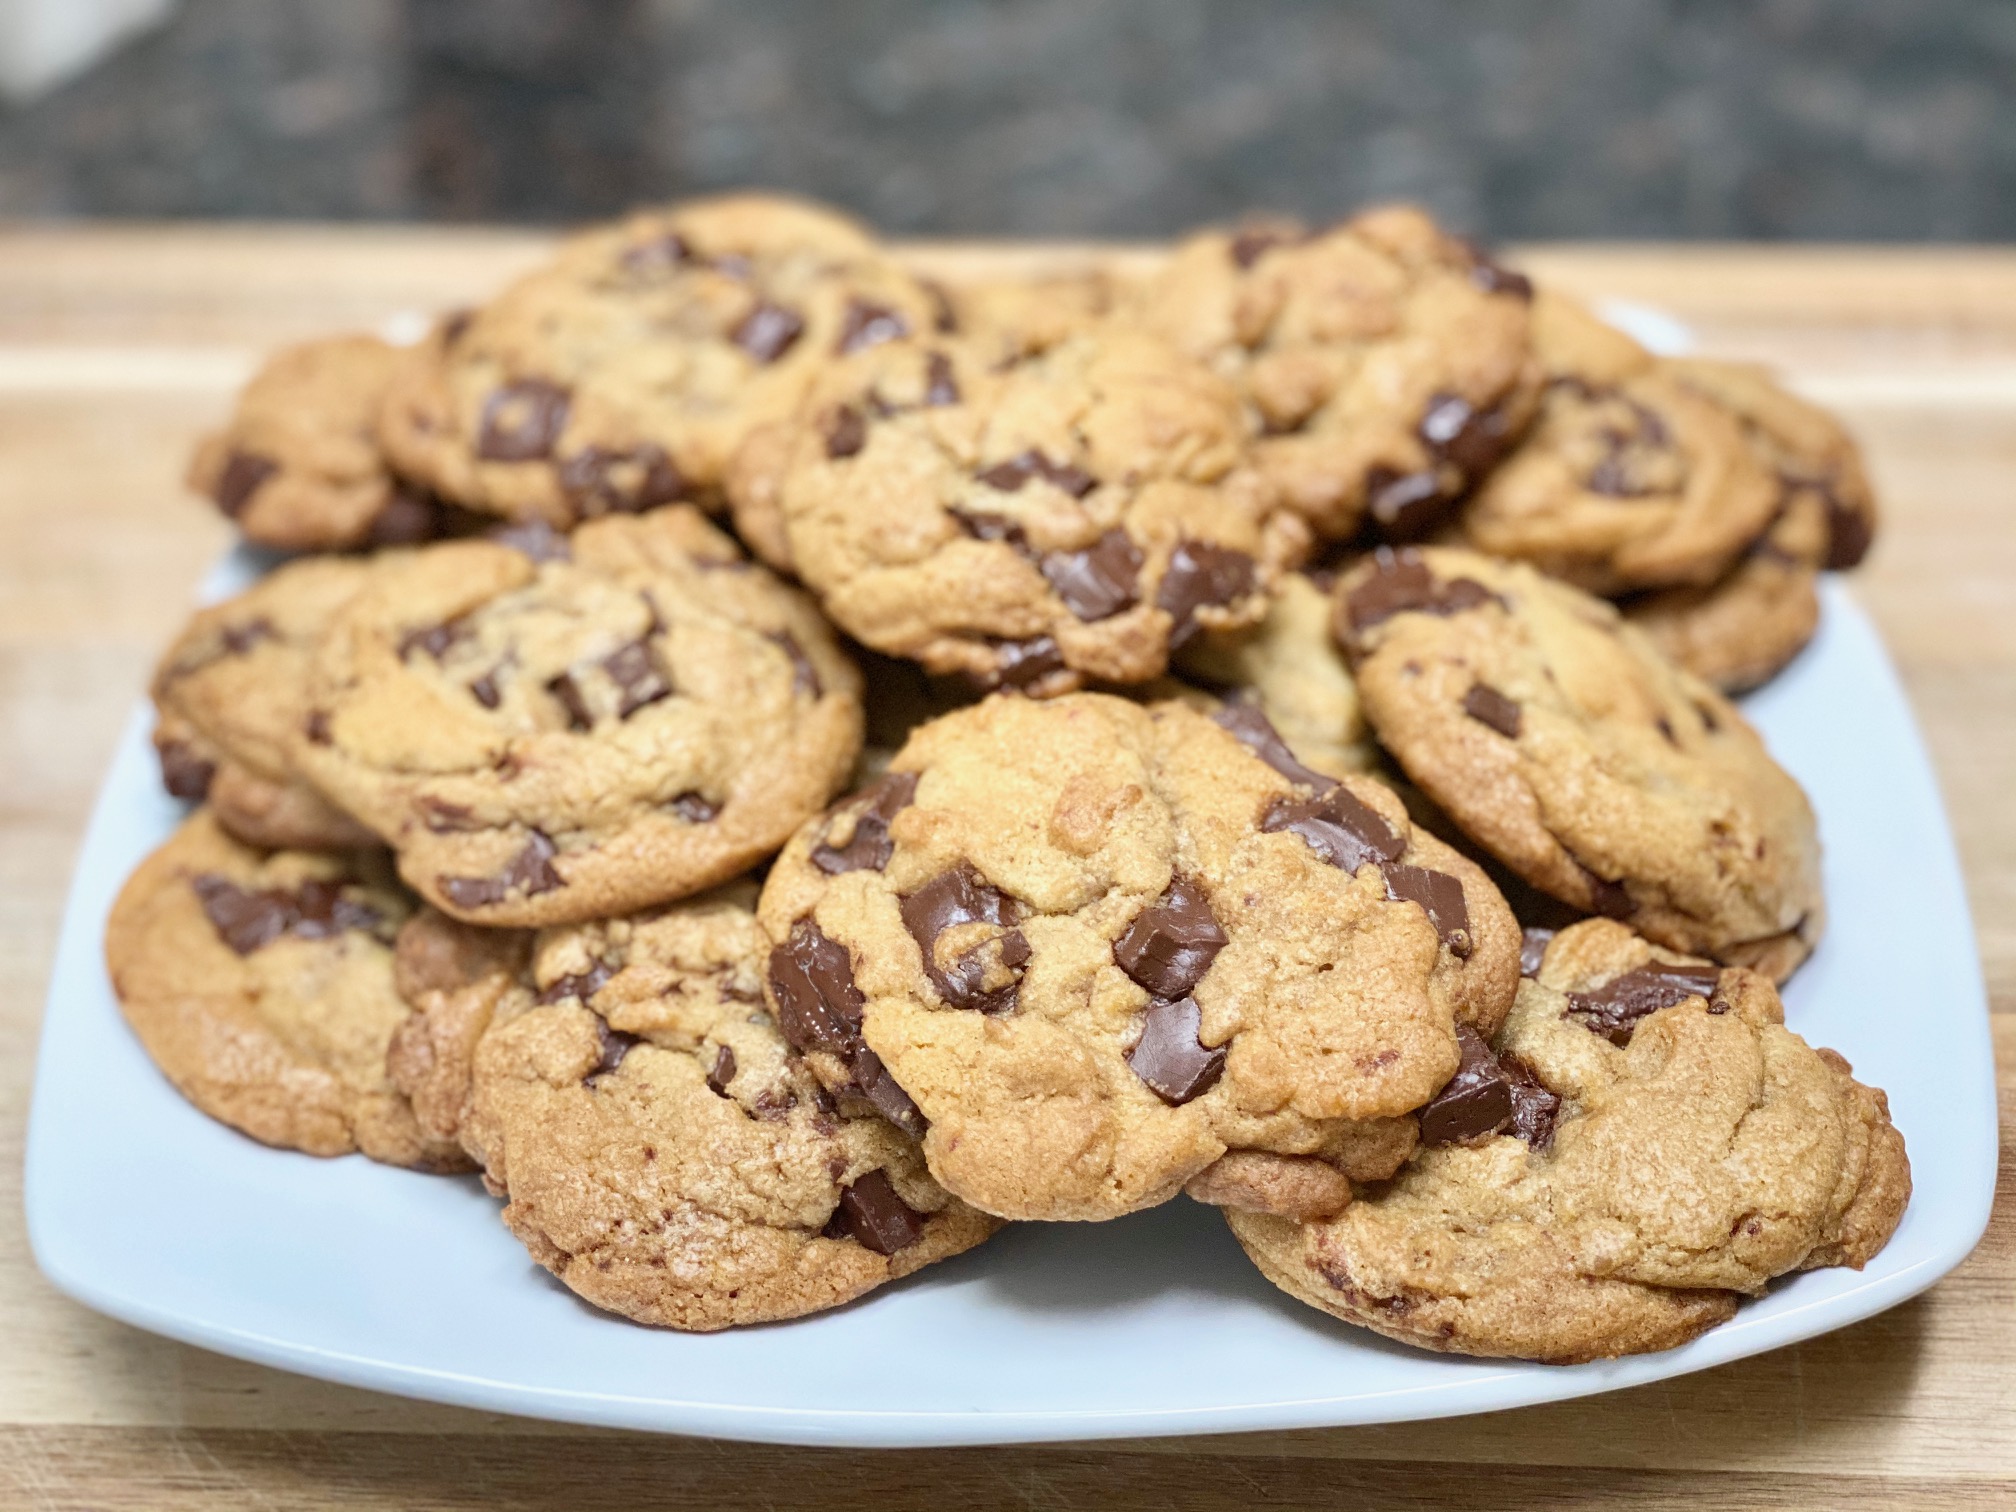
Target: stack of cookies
x,y
783,766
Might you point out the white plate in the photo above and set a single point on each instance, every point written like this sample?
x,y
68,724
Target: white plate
x,y
142,1208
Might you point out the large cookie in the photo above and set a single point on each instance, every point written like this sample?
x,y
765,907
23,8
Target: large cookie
x,y
1642,1144
1387,362
299,467
668,1156
1561,741
624,374
261,984
1630,478
1085,948
1073,516
229,698
633,716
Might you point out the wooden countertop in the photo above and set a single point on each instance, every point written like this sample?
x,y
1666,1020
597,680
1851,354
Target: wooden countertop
x,y
117,344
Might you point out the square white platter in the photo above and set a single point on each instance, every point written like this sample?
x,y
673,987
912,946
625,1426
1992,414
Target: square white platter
x,y
142,1208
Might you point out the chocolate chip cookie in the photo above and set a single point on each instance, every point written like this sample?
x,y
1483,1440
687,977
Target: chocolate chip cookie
x,y
1387,362
1559,739
261,984
229,698
574,727
668,1156
1630,478
1643,1144
1074,516
1084,948
299,467
624,374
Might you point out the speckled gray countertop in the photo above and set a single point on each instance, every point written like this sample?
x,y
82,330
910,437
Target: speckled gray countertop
x,y
1867,119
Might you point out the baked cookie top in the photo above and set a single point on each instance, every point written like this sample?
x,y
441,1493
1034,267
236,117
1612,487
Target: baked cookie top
x,y
583,727
1562,742
1644,1142
229,698
1070,517
298,467
1387,362
1630,477
261,984
623,374
1085,947
668,1156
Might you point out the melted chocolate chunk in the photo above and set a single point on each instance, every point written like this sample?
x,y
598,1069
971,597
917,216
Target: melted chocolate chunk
x,y
1201,576
530,873
657,254
1176,1066
695,808
1401,583
247,920
874,1217
614,1045
1337,826
865,325
1098,582
958,897
535,539
1534,1108
1488,706
640,679
1610,899
1473,439
722,1072
846,432
1533,943
804,676
435,640
940,386
880,1091
240,639
869,847
601,480
768,331
1440,897
1406,506
1250,726
1253,243
1171,943
1494,279
1009,476
569,693
1474,1103
1022,664
812,980
579,984
1614,1009
486,690
245,473
522,421
316,728
185,774
1850,532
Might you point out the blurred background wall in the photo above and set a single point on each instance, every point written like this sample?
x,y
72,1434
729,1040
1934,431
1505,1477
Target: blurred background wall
x,y
1866,119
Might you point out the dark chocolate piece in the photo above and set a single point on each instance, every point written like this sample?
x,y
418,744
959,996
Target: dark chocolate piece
x,y
615,1044
1200,576
533,538
1248,723
1533,943
804,676
1440,897
958,897
246,919
940,386
243,476
639,677
1009,476
522,421
1176,1066
1488,706
600,480
183,773
768,331
1337,826
1615,1009
812,980
1022,664
869,847
1406,506
1172,942
579,984
864,325
1098,582
696,808
1401,582
722,1072
875,1217
530,872
846,432
1475,1102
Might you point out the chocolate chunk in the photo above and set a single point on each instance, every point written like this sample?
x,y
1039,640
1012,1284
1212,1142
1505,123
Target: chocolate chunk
x,y
1171,943
1473,439
601,480
435,640
1534,1107
768,331
1610,899
1533,943
880,1091
723,1071
522,421
869,847
640,679
1441,898
567,690
1022,664
1850,532
984,525
1475,1102
1493,279
579,984
812,981
445,818
846,432
940,386
535,539
804,676
1337,826
865,325
958,897
1401,583
614,1045
1406,506
1009,476
1169,1057
1201,575
735,265
486,691
316,728
407,518
183,773
243,476
1251,244
1098,582
1614,1009
874,1217
1488,706
695,808
240,639
657,253
530,872
1250,726
246,920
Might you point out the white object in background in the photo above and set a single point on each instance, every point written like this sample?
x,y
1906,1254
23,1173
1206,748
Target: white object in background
x,y
44,43
1651,328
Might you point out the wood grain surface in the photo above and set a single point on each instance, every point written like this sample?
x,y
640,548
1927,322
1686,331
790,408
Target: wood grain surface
x,y
118,344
